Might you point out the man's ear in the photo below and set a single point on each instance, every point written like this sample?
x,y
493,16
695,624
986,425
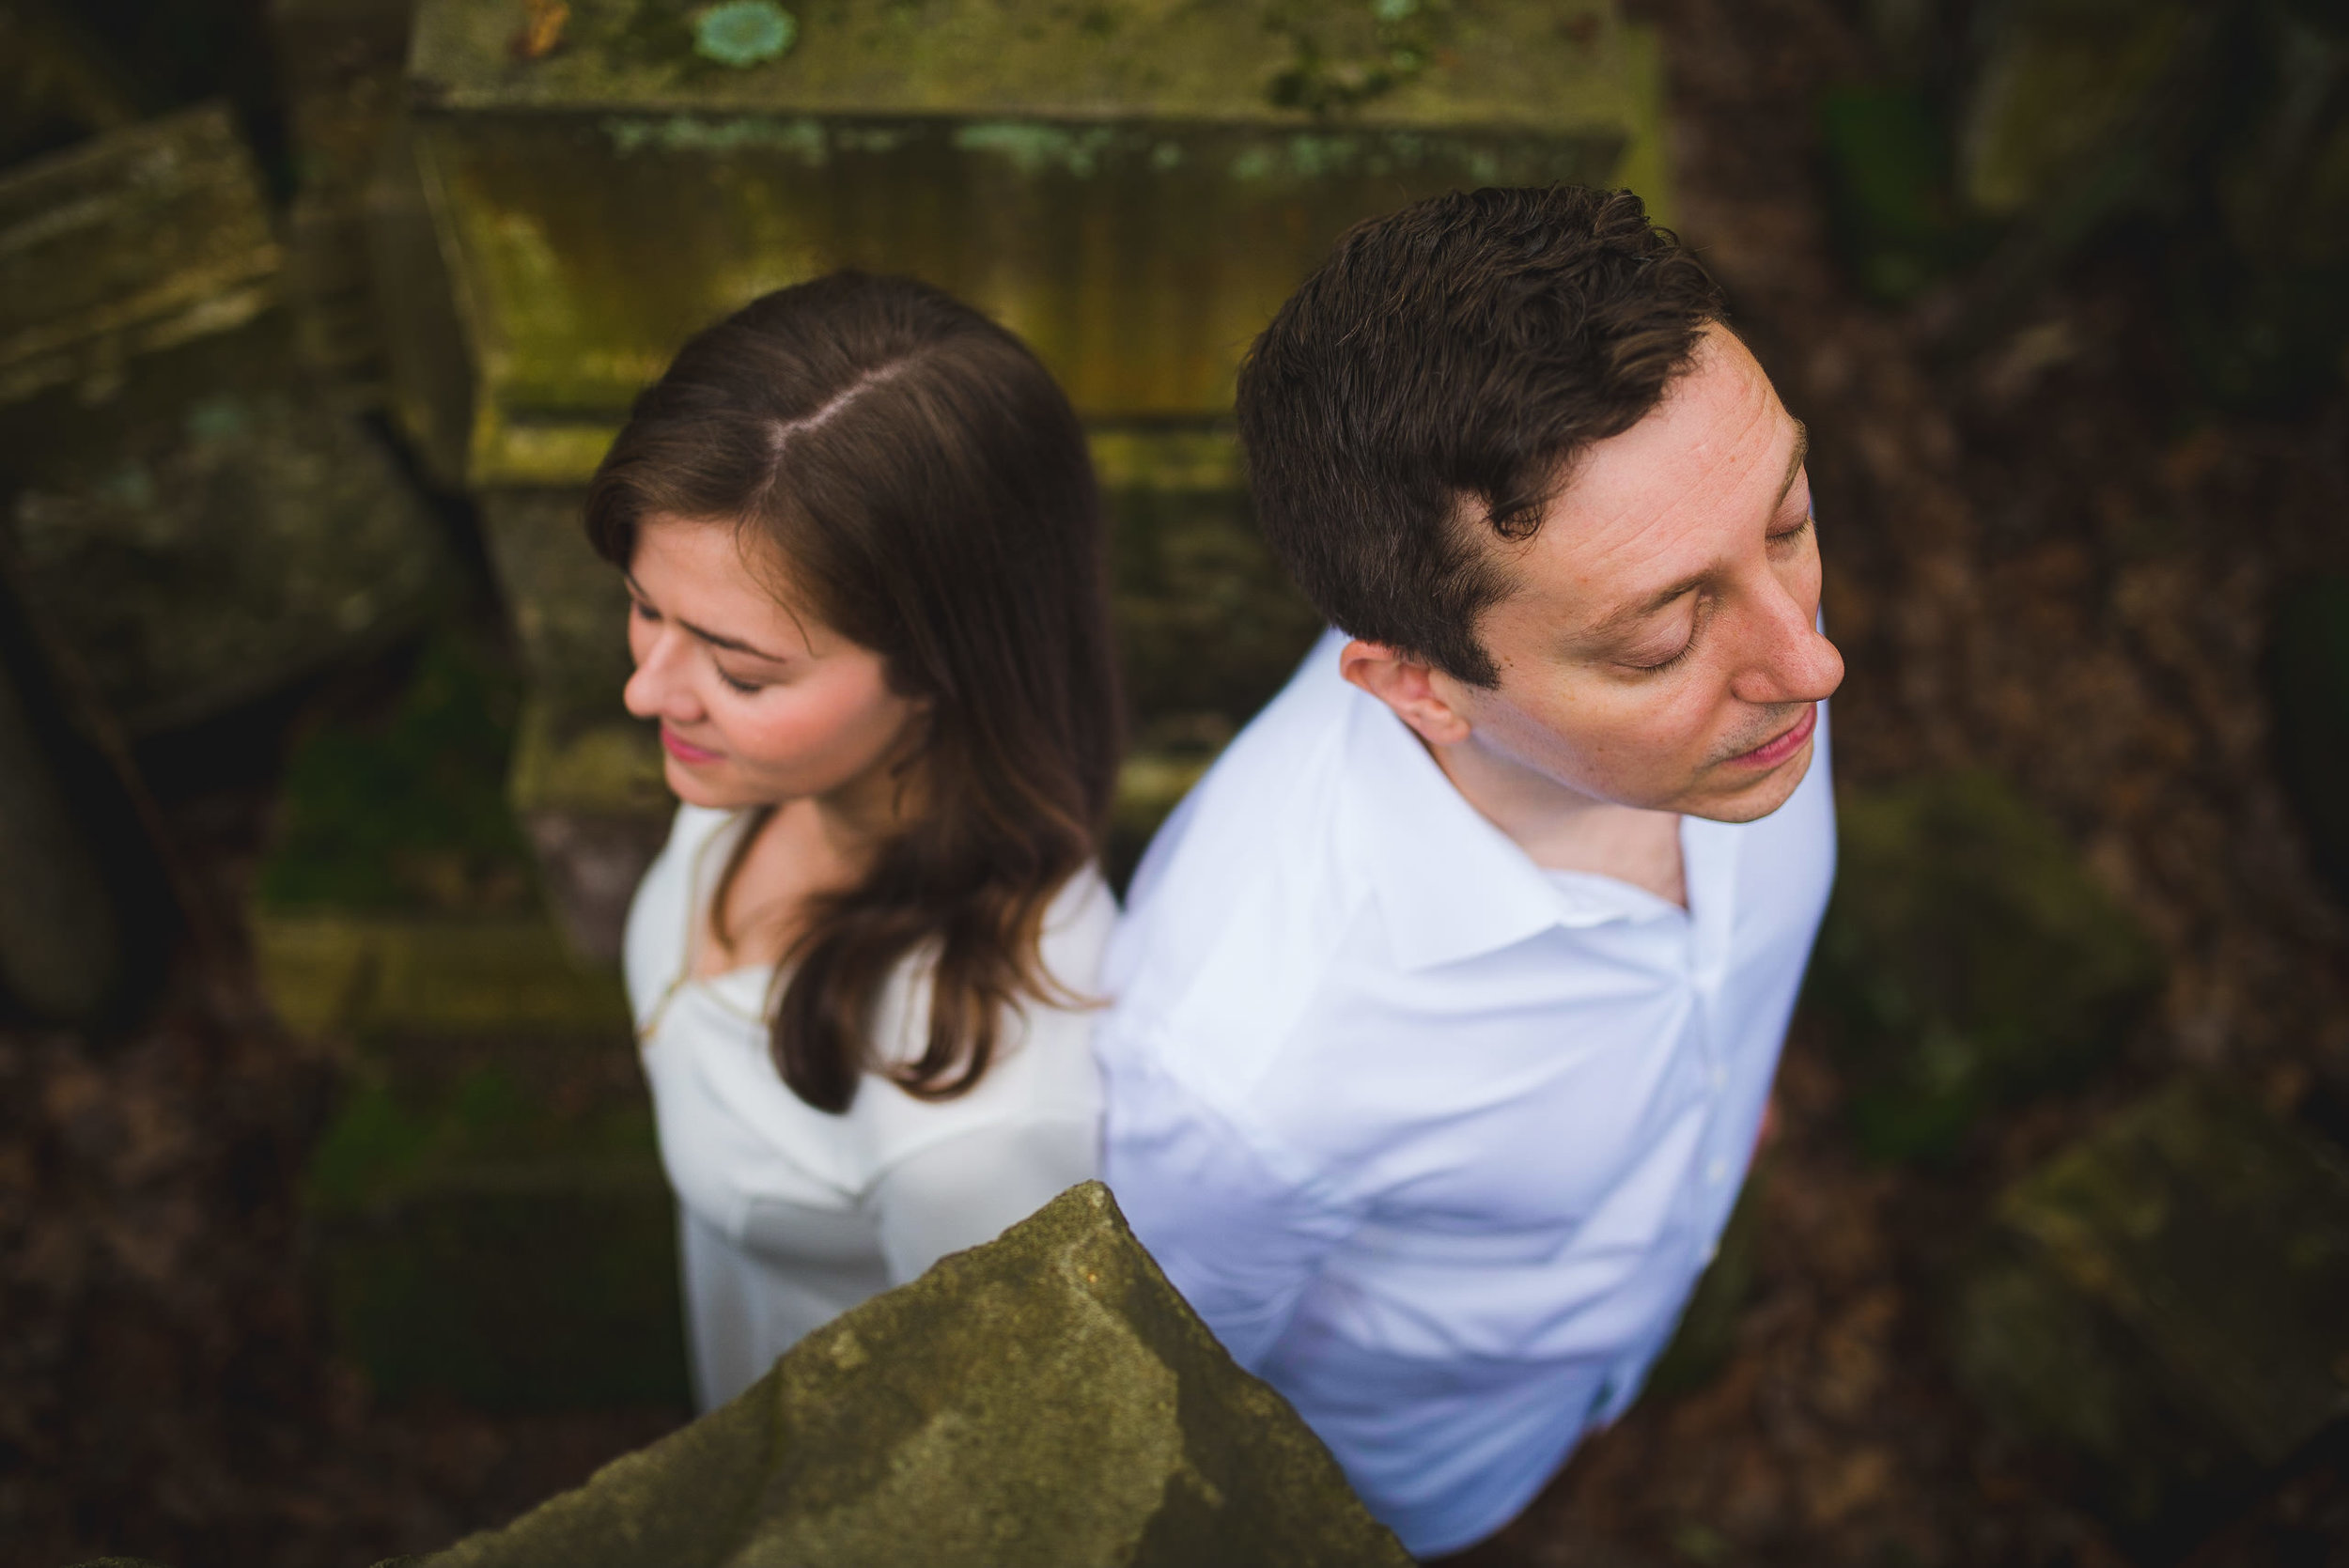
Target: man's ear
x,y
1419,694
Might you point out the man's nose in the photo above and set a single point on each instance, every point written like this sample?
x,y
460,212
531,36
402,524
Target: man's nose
x,y
1793,662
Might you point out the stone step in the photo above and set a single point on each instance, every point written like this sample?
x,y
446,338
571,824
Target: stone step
x,y
485,1245
1134,192
2165,1303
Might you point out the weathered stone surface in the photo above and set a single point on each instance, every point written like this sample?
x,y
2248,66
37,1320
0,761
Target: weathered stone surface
x,y
488,1211
2063,80
395,802
1134,197
429,372
1047,1399
200,526
341,65
55,88
386,976
476,1240
1968,960
2167,1302
133,241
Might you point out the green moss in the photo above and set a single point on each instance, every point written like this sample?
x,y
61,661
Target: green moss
x,y
2167,1301
474,1240
407,810
1968,960
744,33
802,138
432,976
1032,148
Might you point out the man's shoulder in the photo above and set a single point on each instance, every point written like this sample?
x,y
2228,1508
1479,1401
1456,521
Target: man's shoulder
x,y
1247,892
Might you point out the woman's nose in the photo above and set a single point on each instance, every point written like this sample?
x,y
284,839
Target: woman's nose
x,y
658,689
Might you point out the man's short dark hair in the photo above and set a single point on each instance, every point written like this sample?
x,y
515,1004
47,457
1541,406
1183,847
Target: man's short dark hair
x,y
1435,379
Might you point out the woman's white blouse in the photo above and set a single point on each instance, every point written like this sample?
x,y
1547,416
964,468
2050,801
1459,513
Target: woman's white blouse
x,y
791,1215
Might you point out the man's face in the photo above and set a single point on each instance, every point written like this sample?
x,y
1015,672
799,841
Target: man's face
x,y
1659,645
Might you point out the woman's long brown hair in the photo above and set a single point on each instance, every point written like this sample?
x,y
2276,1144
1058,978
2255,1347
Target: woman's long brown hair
x,y
929,489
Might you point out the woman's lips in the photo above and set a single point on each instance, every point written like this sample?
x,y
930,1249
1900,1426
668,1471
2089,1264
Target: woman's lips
x,y
684,751
1771,752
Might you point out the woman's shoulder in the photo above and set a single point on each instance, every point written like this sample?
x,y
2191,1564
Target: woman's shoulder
x,y
1076,928
660,916
1042,1069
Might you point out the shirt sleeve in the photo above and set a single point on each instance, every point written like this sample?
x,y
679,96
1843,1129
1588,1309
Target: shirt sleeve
x,y
965,1190
1240,1238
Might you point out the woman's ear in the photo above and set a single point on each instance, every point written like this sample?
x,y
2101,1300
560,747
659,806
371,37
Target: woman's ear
x,y
1412,687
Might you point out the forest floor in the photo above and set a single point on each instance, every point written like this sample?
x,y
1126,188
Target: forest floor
x,y
2041,560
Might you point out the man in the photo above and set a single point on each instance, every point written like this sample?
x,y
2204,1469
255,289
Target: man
x,y
1449,1002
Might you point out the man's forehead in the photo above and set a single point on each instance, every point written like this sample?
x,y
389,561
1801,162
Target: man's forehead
x,y
1643,510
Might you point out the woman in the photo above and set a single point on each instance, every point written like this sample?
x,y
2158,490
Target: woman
x,y
862,541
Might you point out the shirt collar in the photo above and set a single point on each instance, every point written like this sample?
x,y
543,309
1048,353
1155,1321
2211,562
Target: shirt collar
x,y
1450,884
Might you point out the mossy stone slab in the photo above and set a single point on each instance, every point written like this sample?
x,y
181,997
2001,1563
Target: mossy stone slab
x,y
1968,960
1047,1399
1508,62
387,977
2168,1301
1130,195
539,1285
201,525
132,241
2061,80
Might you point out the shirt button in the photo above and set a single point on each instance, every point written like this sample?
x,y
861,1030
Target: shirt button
x,y
1717,1172
1718,1078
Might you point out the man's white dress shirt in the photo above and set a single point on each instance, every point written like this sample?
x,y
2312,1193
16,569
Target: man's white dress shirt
x,y
1437,1141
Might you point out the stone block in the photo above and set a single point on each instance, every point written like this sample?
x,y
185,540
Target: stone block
x,y
2166,1304
393,803
391,977
2062,81
341,66
201,526
1968,960
1133,191
131,242
475,1242
57,86
1044,1399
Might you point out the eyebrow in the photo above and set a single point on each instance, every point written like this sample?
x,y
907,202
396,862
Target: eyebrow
x,y
715,638
1795,459
1615,624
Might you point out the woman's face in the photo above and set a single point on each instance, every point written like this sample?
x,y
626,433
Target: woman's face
x,y
757,704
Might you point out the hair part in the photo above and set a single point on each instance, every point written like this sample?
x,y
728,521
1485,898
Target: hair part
x,y
1420,401
928,489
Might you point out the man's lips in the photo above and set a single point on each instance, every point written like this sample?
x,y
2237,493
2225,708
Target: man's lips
x,y
1771,752
684,751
